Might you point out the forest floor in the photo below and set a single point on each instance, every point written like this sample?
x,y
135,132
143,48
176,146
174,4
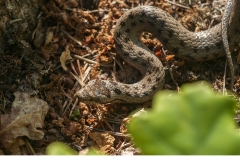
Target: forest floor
x,y
85,30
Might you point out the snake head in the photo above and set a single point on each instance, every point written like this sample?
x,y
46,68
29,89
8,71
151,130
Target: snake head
x,y
95,91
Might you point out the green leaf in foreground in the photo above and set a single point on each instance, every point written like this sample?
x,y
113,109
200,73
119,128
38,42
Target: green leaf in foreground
x,y
59,148
196,121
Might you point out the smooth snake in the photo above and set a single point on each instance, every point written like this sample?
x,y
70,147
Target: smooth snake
x,y
199,46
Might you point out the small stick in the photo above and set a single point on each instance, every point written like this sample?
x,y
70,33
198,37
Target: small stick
x,y
170,71
91,61
77,41
179,5
224,77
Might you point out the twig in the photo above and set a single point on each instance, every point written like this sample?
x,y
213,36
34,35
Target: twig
x,y
123,145
79,69
15,20
96,11
224,77
86,73
29,147
69,102
179,5
170,71
74,105
122,68
91,61
77,41
85,59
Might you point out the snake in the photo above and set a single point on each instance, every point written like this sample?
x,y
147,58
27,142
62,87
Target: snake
x,y
191,46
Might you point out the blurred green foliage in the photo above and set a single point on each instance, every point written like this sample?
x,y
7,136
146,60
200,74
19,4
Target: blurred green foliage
x,y
59,148
196,121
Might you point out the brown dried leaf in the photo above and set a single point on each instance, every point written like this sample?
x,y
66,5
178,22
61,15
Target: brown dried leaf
x,y
49,37
64,57
38,35
103,140
25,119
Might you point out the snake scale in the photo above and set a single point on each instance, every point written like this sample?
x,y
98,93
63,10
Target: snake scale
x,y
200,46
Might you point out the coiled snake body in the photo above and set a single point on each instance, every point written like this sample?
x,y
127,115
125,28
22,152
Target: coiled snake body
x,y
201,46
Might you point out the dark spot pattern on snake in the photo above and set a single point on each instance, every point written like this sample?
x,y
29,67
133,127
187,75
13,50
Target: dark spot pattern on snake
x,y
122,24
136,94
195,50
153,88
151,23
170,34
135,87
144,64
119,45
145,94
117,91
131,16
143,13
158,79
127,87
133,24
216,55
130,48
135,59
205,57
182,43
207,48
176,50
159,31
150,59
127,30
140,53
114,83
106,92
189,57
118,34
165,40
219,45
128,94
